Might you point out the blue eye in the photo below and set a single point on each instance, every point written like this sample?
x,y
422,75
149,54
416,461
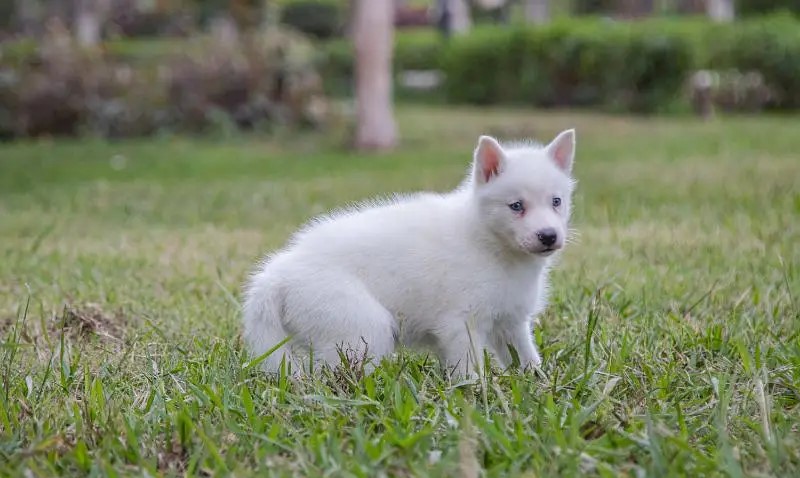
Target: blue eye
x,y
517,206
556,201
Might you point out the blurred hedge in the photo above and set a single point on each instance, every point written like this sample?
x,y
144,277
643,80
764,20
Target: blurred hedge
x,y
770,46
317,18
259,80
640,66
624,66
758,7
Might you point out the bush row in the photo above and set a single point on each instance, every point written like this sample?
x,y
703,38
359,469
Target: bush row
x,y
317,18
255,81
624,66
770,47
633,66
636,66
742,7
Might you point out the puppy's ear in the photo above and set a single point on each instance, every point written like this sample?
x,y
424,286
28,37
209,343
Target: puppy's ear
x,y
489,159
562,150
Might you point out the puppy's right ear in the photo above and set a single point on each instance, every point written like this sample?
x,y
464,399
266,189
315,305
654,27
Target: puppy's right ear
x,y
489,159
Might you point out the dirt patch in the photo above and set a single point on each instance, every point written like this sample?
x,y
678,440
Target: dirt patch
x,y
86,321
173,457
6,324
77,324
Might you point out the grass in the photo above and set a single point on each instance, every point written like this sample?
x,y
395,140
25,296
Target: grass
x,y
671,346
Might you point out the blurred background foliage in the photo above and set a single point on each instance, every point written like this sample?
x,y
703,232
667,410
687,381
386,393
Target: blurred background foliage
x,y
121,68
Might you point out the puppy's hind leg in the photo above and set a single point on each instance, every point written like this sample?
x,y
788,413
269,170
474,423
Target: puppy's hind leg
x,y
336,316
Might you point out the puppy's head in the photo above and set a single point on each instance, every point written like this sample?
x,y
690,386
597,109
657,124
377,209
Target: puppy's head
x,y
523,193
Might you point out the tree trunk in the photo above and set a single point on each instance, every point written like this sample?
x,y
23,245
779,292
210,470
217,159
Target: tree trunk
x,y
720,10
373,32
537,11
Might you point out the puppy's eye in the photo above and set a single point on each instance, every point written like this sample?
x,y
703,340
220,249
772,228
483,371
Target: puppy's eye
x,y
517,206
556,201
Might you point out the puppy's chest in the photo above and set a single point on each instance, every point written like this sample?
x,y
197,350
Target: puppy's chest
x,y
506,299
484,295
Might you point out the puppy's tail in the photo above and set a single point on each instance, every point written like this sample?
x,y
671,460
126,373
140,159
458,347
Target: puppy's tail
x,y
263,329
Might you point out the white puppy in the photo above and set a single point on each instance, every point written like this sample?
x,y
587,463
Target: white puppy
x,y
460,272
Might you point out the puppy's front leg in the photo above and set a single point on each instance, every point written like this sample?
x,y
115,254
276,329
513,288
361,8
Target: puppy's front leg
x,y
462,353
517,335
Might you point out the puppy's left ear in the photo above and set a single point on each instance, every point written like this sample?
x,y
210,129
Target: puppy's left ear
x,y
562,150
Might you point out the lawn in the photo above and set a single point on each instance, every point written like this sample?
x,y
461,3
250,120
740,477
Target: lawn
x,y
671,346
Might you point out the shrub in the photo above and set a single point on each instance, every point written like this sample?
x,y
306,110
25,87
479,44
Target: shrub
x,y
477,65
259,80
418,49
653,66
767,47
8,12
319,18
760,7
131,22
770,46
245,13
335,61
578,62
637,66
583,7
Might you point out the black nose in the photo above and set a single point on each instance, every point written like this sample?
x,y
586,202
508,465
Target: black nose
x,y
547,236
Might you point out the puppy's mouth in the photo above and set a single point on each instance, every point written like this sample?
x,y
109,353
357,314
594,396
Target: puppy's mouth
x,y
540,250
543,252
546,252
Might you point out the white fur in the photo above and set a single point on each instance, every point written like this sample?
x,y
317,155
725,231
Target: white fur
x,y
458,272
